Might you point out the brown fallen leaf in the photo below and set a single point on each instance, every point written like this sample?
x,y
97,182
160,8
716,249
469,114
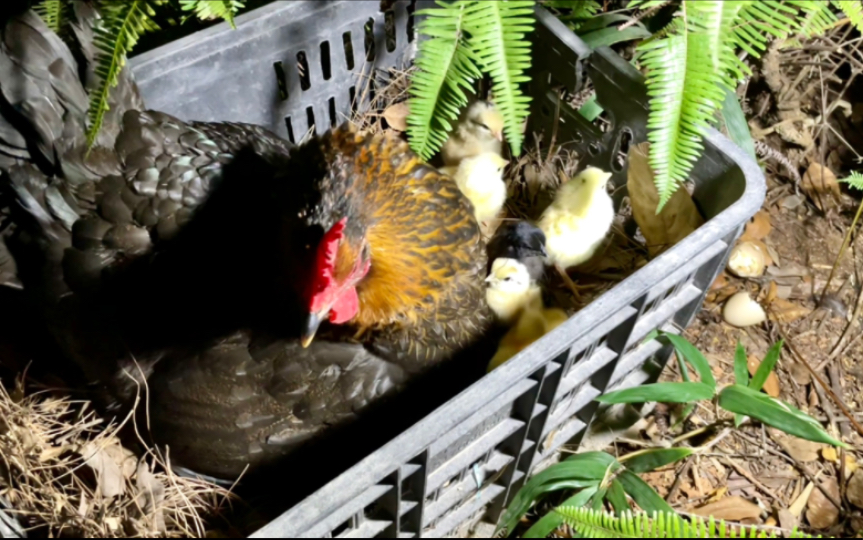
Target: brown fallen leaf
x,y
730,508
771,385
678,218
820,184
397,116
787,520
854,492
786,312
800,374
759,227
802,450
821,513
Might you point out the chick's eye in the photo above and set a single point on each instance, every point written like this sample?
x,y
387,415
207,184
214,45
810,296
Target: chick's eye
x,y
507,279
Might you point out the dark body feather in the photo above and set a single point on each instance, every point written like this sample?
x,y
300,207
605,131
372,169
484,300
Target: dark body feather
x,y
168,259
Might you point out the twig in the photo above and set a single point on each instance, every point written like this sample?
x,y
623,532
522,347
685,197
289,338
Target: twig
x,y
819,380
800,466
642,15
675,487
746,474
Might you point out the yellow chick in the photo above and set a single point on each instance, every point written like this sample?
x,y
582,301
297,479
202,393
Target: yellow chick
x,y
480,178
578,220
533,323
479,130
510,288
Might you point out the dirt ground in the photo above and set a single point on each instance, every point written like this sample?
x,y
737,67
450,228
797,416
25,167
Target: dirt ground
x,y
755,474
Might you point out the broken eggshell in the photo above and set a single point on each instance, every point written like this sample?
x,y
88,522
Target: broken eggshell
x,y
742,311
747,260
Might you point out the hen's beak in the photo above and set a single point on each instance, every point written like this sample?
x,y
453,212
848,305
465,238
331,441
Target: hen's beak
x,y
310,328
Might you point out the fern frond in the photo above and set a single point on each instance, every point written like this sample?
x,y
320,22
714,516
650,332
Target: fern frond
x,y
817,16
579,10
121,26
444,66
54,13
853,9
855,180
688,73
498,41
759,22
214,9
597,524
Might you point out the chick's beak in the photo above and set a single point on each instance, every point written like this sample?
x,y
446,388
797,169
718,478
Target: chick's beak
x,y
498,135
310,328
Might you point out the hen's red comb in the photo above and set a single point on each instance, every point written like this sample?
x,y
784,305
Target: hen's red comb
x,y
326,262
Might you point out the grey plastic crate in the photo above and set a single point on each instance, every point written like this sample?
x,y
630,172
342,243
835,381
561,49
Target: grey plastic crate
x,y
467,459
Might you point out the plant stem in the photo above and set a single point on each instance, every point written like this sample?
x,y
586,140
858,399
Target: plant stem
x,y
845,245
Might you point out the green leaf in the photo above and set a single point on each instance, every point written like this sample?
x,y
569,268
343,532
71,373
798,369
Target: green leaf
x,y
642,493
54,13
498,42
688,72
694,357
654,459
602,21
607,37
741,366
444,70
774,413
617,497
207,10
855,180
766,367
551,521
121,26
736,124
579,471
588,523
591,111
661,392
853,9
598,500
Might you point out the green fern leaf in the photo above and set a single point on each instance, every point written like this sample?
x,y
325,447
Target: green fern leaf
x,y
817,16
122,24
855,180
498,42
444,67
759,22
853,9
214,9
597,524
54,13
688,73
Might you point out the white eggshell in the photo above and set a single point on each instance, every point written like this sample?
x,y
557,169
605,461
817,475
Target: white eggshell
x,y
747,260
741,311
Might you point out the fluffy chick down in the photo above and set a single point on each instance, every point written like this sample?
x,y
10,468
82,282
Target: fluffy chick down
x,y
578,220
480,178
479,130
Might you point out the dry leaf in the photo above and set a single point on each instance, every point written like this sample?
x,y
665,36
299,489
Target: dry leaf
x,y
820,184
772,292
730,508
677,220
854,491
52,453
112,481
802,450
823,514
397,116
787,312
851,465
758,228
771,385
787,520
829,453
796,509
800,374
